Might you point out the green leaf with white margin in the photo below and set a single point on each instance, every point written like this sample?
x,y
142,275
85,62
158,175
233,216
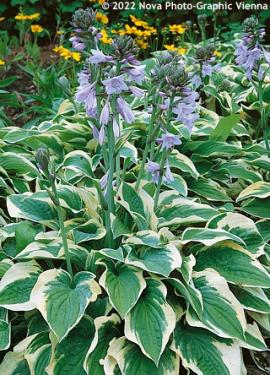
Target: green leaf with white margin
x,y
79,162
38,353
260,189
240,226
14,364
253,299
118,227
13,162
178,184
25,206
124,284
191,295
257,207
183,211
183,163
224,127
5,329
145,237
131,360
69,354
151,321
52,250
253,339
234,263
105,330
222,313
157,260
208,189
62,304
17,284
92,230
129,151
208,237
205,353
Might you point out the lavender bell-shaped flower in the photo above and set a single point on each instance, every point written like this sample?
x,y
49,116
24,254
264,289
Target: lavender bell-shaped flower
x,y
105,113
168,177
115,85
98,57
77,43
168,140
125,110
154,169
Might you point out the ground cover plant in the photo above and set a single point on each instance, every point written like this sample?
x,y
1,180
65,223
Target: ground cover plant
x,y
135,197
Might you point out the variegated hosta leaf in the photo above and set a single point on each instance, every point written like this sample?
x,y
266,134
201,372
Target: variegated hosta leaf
x,y
105,331
205,353
80,162
61,301
38,353
183,211
151,321
25,206
17,284
178,184
89,231
161,260
183,163
253,338
145,237
69,354
253,299
139,205
5,329
208,237
187,267
240,226
131,360
208,189
53,250
124,285
222,313
190,294
260,189
234,263
13,162
14,364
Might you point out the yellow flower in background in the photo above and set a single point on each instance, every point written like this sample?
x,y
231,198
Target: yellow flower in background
x,y
36,28
172,47
60,32
138,22
25,17
2,62
67,54
105,37
98,1
100,17
119,32
179,29
141,43
217,53
2,19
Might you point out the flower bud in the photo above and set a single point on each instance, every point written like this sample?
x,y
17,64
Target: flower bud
x,y
43,159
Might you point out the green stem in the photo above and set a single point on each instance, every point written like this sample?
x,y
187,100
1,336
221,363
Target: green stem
x,y
62,229
263,123
162,165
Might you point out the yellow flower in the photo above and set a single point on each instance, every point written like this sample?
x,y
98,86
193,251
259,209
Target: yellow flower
x,y
179,29
97,1
67,54
105,37
141,43
60,32
2,62
182,51
170,47
36,28
138,22
25,17
217,53
2,19
100,17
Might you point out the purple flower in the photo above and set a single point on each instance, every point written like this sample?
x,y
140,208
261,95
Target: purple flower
x,y
104,181
168,140
247,58
115,85
125,110
105,113
99,57
116,128
168,177
84,78
267,57
186,110
136,73
136,91
101,137
95,132
207,70
154,169
77,44
260,73
86,94
196,81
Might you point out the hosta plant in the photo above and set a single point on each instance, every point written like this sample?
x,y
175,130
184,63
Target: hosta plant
x,y
135,223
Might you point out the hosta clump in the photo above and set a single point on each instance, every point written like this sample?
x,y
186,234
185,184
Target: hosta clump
x,y
134,237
